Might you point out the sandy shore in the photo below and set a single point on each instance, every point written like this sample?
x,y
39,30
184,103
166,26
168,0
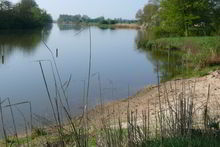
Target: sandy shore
x,y
147,98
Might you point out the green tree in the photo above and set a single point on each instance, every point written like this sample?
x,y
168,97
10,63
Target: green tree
x,y
5,5
187,17
148,14
25,14
216,18
28,4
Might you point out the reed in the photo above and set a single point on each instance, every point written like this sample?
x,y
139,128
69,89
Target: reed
x,y
13,120
88,86
48,92
57,72
3,124
23,116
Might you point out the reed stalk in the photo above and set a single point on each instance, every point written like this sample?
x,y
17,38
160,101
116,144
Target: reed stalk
x,y
48,93
3,124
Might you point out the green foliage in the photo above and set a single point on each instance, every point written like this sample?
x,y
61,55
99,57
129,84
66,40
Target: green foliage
x,y
37,132
182,17
175,19
187,17
70,18
148,15
216,20
25,14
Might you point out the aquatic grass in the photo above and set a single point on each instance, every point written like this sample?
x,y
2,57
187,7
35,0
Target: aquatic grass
x,y
64,86
100,101
13,119
87,90
3,124
64,89
25,124
8,139
23,116
89,70
57,72
77,137
48,92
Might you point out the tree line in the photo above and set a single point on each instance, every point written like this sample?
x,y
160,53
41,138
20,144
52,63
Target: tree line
x,y
181,17
22,15
86,19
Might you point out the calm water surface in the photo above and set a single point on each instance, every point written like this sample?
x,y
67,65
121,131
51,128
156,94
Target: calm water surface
x,y
114,55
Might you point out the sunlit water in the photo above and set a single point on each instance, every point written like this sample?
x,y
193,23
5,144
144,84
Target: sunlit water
x,y
114,55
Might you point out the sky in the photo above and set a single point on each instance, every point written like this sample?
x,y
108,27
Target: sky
x,y
125,9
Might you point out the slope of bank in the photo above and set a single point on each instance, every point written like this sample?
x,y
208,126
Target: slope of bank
x,y
171,92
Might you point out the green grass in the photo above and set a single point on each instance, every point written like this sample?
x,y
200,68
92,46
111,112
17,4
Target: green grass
x,y
190,42
197,140
202,141
199,55
194,44
92,142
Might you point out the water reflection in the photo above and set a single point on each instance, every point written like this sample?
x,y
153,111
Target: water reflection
x,y
114,56
23,41
169,62
78,27
64,27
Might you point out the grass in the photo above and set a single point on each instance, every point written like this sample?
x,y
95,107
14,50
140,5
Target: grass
x,y
198,55
197,43
199,141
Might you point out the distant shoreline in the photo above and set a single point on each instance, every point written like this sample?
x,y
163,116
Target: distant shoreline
x,y
106,26
129,26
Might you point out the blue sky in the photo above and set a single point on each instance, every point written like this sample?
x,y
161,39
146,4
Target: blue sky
x,y
108,8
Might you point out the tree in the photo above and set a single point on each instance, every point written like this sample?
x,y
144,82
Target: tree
x,y
149,14
187,17
5,5
85,18
216,19
25,14
28,4
139,15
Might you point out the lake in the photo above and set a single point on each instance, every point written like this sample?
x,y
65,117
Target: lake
x,y
123,68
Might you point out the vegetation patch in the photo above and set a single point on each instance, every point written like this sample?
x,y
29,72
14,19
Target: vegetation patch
x,y
23,15
197,55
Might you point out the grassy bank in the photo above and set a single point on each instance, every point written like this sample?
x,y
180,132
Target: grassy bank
x,y
199,55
